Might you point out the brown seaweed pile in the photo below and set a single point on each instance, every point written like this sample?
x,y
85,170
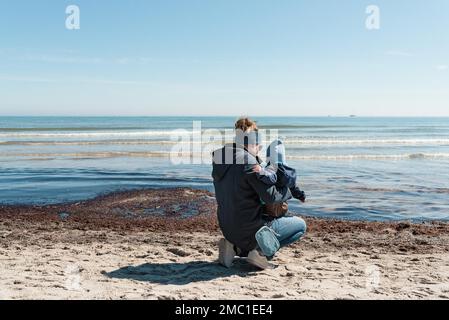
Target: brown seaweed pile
x,y
190,210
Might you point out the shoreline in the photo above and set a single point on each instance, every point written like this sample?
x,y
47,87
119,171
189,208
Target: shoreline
x,y
135,194
187,209
162,244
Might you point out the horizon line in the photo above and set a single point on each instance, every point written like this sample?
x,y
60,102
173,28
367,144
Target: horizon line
x,y
228,116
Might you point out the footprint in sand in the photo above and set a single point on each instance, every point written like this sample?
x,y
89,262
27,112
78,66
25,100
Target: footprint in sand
x,y
178,252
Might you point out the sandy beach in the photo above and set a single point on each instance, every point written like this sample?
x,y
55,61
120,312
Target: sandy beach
x,y
162,244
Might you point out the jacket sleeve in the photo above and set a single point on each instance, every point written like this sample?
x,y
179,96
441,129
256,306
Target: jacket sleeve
x,y
268,194
268,175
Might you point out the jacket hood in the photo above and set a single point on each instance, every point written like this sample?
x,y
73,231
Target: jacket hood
x,y
276,153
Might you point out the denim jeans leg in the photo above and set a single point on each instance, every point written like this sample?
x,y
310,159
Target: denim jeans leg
x,y
289,229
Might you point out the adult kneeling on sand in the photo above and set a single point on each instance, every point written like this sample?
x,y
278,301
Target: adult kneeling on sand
x,y
240,196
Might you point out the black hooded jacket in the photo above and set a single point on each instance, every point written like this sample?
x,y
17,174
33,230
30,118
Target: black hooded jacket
x,y
238,192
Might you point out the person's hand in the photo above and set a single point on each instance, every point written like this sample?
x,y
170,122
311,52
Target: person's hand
x,y
257,168
298,194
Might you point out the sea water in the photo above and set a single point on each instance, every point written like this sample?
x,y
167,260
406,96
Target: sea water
x,y
349,167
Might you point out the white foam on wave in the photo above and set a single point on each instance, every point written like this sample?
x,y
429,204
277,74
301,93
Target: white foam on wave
x,y
173,136
133,154
111,142
93,154
404,156
392,141
150,133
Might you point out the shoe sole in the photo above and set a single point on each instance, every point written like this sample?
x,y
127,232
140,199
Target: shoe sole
x,y
255,263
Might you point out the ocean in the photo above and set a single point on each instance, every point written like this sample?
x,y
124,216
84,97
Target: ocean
x,y
350,167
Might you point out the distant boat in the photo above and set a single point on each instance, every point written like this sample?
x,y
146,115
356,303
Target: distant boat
x,y
352,116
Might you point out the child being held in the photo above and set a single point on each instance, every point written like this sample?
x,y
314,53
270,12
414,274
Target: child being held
x,y
278,173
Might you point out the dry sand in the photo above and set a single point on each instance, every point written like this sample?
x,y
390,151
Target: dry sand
x,y
159,244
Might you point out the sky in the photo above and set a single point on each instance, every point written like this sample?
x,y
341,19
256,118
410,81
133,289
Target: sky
x,y
224,57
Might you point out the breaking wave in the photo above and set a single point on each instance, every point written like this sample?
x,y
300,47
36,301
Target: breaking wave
x,y
163,141
155,154
372,156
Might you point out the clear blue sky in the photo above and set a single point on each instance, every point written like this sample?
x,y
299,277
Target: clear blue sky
x,y
224,57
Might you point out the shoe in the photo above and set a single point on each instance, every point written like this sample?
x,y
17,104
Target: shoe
x,y
257,259
226,253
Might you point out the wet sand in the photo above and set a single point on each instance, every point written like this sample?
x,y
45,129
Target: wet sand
x,y
162,244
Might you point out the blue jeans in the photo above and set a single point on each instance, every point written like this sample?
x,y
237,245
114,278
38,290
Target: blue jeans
x,y
289,229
